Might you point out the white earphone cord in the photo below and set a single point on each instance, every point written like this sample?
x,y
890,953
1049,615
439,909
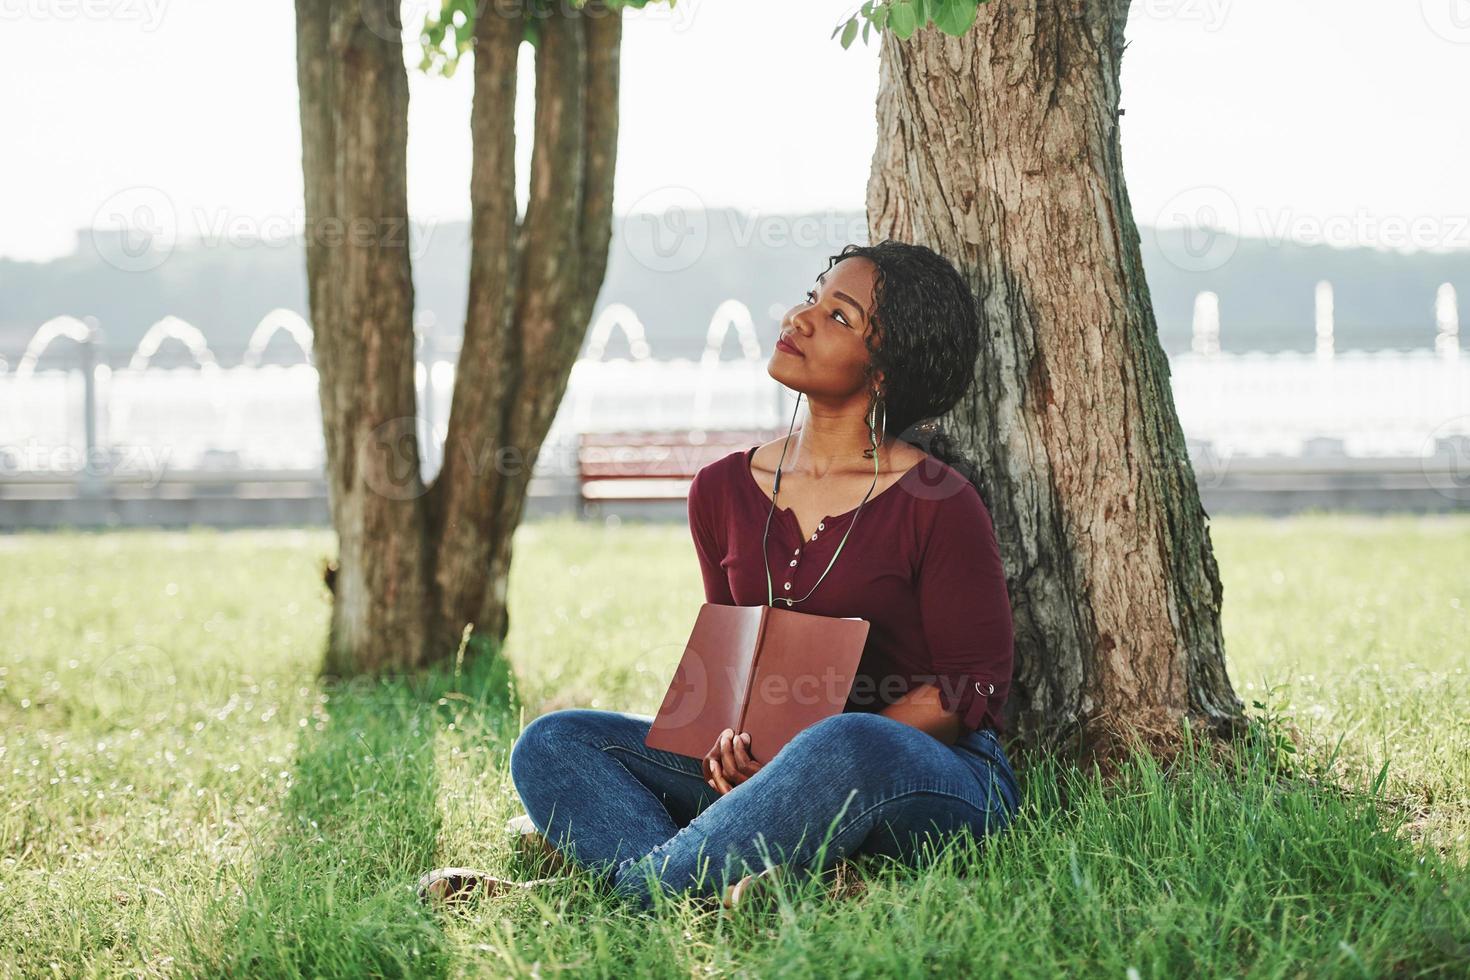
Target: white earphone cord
x,y
776,491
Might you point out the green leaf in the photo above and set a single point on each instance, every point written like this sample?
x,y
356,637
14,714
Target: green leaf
x,y
865,32
849,32
901,18
954,17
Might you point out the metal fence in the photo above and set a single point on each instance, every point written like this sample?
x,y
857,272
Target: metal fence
x,y
72,416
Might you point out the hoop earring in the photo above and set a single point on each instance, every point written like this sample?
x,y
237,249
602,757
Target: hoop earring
x,y
874,428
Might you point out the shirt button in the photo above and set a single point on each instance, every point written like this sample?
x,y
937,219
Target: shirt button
x,y
797,551
814,535
793,563
788,585
821,527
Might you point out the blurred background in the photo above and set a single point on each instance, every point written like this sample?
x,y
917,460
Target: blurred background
x,y
1305,232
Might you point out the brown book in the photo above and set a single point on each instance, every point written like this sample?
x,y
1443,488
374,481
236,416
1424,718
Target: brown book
x,y
758,669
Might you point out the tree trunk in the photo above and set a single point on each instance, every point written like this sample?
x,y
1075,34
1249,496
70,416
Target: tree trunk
x,y
416,564
354,115
1000,149
531,294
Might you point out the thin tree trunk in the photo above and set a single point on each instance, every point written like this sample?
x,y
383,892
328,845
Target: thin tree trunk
x,y
1000,149
528,315
354,116
417,563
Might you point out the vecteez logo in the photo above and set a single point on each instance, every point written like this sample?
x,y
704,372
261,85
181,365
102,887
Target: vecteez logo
x,y
1448,19
136,229
147,14
667,229
1197,230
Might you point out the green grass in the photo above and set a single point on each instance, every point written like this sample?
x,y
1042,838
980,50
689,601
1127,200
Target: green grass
x,y
180,795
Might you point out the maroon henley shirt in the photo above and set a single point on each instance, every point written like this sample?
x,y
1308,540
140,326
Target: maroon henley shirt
x,y
921,566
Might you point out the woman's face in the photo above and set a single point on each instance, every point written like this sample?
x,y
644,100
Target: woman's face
x,y
828,327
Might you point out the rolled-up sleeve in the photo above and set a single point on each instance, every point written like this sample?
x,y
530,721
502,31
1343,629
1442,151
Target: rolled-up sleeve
x,y
965,607
706,542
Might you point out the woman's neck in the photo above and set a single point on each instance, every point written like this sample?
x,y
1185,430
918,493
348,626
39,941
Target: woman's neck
x,y
817,448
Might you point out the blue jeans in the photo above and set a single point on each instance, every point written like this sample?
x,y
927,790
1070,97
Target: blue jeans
x,y
856,782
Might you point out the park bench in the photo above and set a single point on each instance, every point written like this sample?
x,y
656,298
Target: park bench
x,y
652,465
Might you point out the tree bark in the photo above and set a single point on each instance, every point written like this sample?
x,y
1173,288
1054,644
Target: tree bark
x,y
1000,150
515,333
417,564
354,116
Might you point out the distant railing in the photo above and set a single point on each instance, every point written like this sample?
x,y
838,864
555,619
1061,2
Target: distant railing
x,y
64,408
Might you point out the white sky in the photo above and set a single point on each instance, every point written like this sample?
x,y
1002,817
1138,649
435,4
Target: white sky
x,y
1338,111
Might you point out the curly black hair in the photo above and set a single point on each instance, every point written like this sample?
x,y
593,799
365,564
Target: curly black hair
x,y
926,340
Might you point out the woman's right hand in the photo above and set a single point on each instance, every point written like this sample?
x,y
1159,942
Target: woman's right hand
x,y
729,763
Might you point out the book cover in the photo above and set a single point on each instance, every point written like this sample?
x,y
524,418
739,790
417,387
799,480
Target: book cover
x,y
758,669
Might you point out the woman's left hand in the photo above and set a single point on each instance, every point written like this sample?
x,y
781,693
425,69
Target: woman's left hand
x,y
729,763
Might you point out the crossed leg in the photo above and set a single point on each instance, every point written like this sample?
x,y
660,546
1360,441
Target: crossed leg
x,y
852,783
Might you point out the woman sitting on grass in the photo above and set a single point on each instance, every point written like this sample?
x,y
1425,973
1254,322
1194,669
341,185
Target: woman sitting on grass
x,y
887,339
